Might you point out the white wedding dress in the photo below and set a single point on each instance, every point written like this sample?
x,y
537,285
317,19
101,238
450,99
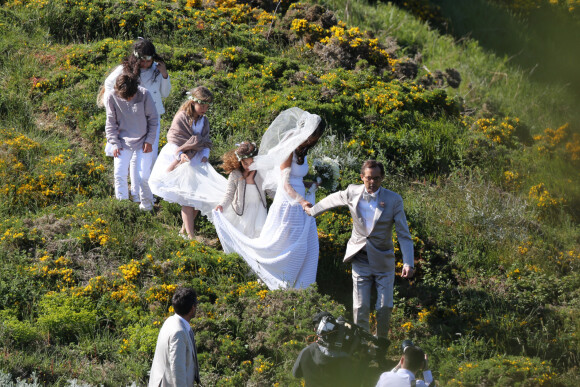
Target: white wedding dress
x,y
252,220
285,255
194,184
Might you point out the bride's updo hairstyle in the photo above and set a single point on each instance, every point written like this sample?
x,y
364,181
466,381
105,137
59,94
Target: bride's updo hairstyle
x,y
303,148
232,159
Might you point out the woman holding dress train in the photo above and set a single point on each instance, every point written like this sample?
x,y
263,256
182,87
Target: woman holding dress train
x,y
244,202
182,173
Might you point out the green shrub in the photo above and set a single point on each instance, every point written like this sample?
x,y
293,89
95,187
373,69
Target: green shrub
x,y
501,371
14,332
65,317
140,341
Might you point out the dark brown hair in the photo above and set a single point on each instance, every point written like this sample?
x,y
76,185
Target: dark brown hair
x,y
183,299
132,62
126,86
372,164
303,148
414,358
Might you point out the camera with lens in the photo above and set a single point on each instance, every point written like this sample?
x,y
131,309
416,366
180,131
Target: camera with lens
x,y
338,334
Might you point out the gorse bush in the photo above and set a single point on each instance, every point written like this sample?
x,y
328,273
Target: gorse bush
x,y
32,178
64,317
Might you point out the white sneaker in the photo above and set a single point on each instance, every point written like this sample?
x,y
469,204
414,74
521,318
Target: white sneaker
x,y
146,208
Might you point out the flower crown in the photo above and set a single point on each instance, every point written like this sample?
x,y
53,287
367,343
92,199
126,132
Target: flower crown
x,y
252,154
195,99
141,56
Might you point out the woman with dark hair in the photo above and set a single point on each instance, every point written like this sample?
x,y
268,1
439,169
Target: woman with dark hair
x,y
285,255
149,68
130,128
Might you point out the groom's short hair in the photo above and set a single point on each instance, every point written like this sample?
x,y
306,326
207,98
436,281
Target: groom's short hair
x,y
183,299
372,164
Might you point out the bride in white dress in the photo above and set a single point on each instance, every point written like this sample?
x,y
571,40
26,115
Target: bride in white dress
x,y
285,255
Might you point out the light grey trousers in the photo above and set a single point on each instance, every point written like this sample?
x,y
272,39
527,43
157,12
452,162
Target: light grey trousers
x,y
363,279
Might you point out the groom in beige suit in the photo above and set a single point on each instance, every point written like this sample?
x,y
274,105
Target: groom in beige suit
x,y
374,212
175,361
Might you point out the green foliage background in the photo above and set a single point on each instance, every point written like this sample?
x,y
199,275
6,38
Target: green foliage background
x,y
488,169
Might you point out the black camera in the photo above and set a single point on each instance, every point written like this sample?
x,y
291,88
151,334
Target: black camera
x,y
338,334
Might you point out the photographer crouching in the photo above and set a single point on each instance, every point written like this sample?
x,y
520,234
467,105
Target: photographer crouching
x,y
403,375
340,356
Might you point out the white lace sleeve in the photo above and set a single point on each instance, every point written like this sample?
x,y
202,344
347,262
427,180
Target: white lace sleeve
x,y
290,191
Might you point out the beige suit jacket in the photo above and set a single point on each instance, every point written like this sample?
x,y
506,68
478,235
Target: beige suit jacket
x,y
378,243
173,363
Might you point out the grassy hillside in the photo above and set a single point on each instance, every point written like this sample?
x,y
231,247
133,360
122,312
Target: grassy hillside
x,y
485,158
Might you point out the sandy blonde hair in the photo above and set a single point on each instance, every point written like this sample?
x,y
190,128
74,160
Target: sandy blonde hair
x,y
202,93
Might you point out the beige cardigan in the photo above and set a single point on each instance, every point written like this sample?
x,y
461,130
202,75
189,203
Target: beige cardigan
x,y
236,191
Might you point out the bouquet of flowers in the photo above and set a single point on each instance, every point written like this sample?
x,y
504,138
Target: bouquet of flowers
x,y
328,172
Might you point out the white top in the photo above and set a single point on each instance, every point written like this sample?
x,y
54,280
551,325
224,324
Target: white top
x,y
368,209
403,378
197,127
151,80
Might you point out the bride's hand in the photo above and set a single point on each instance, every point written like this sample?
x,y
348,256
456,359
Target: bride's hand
x,y
305,205
219,208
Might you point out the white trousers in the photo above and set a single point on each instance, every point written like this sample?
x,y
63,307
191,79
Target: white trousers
x,y
133,169
363,279
140,170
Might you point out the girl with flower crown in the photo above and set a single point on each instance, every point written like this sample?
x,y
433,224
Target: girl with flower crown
x,y
244,203
182,174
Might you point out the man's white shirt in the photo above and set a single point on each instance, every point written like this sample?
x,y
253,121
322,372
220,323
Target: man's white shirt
x,y
368,208
402,378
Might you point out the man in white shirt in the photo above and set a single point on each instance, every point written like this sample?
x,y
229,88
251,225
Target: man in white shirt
x,y
375,211
175,361
403,375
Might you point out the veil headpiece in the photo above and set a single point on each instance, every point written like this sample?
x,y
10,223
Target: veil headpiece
x,y
290,129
